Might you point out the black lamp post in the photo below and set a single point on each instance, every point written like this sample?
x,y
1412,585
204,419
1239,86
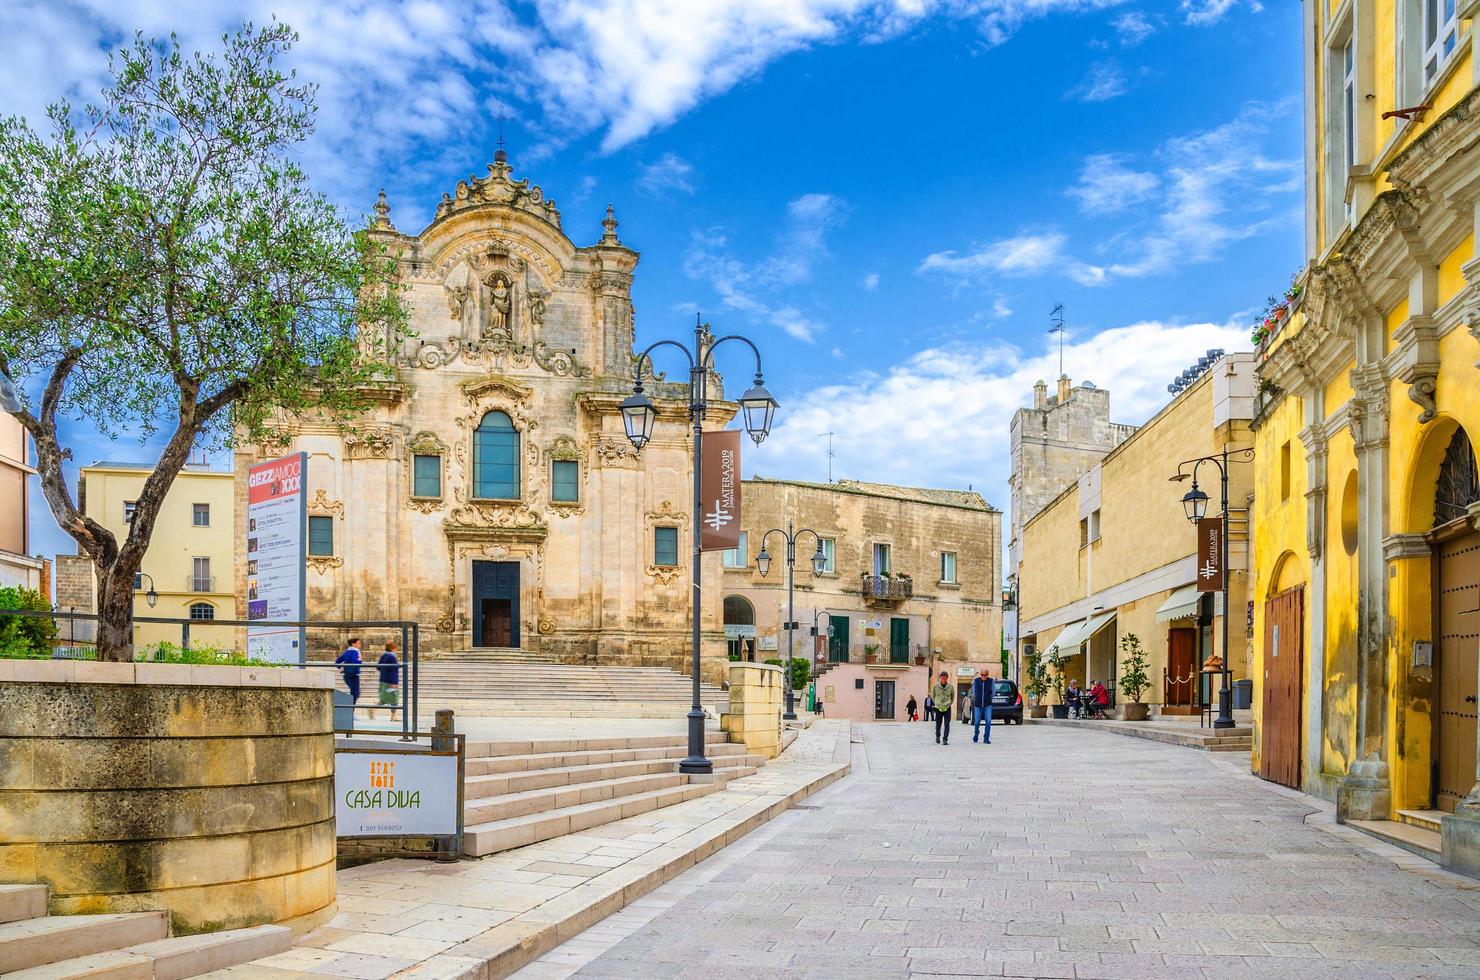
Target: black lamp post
x,y
763,562
757,409
1195,504
151,596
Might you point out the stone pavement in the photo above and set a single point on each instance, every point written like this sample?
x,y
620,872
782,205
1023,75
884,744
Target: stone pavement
x,y
1050,853
489,917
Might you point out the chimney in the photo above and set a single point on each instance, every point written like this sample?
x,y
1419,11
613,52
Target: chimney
x,y
1040,395
1063,388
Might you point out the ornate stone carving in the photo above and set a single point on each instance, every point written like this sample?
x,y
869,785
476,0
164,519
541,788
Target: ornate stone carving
x,y
426,505
368,444
564,447
665,574
1368,417
511,517
1421,391
546,625
480,388
667,512
322,563
615,451
321,504
499,188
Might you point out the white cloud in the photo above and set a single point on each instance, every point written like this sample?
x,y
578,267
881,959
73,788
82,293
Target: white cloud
x,y
1132,27
671,173
871,282
1028,254
1203,13
1104,82
943,412
1107,186
756,288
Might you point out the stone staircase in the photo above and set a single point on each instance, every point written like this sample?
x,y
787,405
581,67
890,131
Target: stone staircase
x,y
502,687
518,793
1415,831
132,945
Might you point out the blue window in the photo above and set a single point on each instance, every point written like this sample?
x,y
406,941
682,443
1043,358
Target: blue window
x,y
426,476
565,481
665,546
321,536
496,458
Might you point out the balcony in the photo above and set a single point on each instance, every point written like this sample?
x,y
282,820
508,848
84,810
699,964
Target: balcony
x,y
886,588
200,583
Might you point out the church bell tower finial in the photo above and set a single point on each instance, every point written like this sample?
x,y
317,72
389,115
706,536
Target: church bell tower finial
x,y
383,213
610,224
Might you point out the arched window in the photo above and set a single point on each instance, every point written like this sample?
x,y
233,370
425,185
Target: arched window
x,y
202,610
739,611
1459,485
496,458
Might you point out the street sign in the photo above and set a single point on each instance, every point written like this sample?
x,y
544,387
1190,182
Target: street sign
x,y
1210,557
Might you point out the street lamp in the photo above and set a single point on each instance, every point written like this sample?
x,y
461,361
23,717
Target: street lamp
x,y
757,408
151,596
763,563
1195,504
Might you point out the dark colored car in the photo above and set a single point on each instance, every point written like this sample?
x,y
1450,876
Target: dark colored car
x,y
1007,702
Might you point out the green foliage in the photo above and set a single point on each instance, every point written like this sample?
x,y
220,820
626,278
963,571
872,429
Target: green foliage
x,y
169,653
25,636
1036,671
801,671
1134,678
1055,661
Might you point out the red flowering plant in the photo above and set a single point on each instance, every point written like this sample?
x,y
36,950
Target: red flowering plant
x,y
1276,308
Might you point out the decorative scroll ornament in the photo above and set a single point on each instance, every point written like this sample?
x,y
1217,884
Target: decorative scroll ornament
x,y
546,626
499,188
1421,391
322,563
564,447
665,574
321,504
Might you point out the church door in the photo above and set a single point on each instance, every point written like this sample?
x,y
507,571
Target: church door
x,y
1457,621
496,603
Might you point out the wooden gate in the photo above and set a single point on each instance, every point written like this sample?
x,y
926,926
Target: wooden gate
x,y
1284,628
1456,627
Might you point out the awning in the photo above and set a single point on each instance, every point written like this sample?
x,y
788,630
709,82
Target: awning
x,y
1181,604
1068,641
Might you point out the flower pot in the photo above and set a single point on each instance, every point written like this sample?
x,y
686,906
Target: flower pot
x,y
920,660
1038,711
1134,711
871,658
1060,711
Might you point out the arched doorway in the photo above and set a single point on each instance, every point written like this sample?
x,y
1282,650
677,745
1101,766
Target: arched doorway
x,y
1456,561
740,627
1283,673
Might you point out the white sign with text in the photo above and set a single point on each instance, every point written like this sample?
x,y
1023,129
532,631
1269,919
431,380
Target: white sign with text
x,y
390,794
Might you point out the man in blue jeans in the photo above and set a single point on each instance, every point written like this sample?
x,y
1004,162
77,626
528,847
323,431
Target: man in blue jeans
x,y
981,706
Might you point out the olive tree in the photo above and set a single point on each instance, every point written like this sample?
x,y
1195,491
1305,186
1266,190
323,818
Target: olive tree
x,y
167,270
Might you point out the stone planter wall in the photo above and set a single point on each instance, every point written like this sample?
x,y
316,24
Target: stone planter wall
x,y
206,792
754,718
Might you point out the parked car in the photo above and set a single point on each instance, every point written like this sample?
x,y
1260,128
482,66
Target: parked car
x,y
1007,702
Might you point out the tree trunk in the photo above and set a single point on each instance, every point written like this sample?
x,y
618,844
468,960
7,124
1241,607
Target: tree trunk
x,y
115,617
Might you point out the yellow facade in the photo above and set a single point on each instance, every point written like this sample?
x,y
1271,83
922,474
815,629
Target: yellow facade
x,y
1117,541
173,562
1372,384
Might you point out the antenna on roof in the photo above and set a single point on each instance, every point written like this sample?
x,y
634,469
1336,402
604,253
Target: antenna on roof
x,y
829,453
1056,325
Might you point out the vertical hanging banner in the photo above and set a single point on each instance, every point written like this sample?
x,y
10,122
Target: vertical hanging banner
x,y
1210,554
719,491
277,541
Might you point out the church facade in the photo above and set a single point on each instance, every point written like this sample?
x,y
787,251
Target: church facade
x,y
491,493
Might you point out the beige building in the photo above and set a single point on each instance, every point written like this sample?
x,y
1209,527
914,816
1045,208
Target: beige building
x,y
491,494
189,561
912,576
1114,554
17,566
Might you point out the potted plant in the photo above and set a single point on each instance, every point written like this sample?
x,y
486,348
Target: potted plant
x,y
1133,678
919,660
871,653
1056,661
1037,685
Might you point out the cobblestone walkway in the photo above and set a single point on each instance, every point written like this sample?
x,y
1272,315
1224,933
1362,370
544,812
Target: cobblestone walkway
x,y
1056,854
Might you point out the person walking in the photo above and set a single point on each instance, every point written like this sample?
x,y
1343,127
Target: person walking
x,y
390,679
943,695
981,705
350,659
909,709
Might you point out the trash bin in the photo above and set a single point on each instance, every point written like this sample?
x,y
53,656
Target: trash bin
x,y
344,710
1243,694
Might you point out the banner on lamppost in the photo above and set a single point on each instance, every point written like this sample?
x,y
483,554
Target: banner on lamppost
x,y
719,490
1210,557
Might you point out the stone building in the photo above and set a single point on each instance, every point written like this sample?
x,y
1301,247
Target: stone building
x,y
491,493
912,575
1113,553
1367,500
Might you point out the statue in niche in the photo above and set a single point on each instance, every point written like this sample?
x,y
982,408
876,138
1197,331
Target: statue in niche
x,y
500,305
536,295
464,301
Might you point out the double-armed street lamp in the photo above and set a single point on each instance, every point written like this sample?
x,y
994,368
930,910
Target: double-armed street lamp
x,y
639,417
763,562
1195,504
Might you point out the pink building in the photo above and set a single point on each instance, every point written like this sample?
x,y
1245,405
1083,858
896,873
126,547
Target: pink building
x,y
879,692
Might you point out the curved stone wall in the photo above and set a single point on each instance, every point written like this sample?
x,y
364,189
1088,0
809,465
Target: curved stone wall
x,y
207,792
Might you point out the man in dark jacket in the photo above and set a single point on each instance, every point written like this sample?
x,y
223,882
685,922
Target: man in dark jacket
x,y
981,705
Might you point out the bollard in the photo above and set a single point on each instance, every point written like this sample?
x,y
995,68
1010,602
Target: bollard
x,y
444,727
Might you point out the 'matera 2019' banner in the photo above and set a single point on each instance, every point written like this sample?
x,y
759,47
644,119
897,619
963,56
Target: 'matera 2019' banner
x,y
719,491
277,529
1210,564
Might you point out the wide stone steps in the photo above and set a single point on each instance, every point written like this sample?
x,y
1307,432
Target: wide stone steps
x,y
550,685
519,793
132,945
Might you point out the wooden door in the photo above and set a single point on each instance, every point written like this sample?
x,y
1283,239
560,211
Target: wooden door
x,y
837,647
1456,650
1181,668
899,641
1284,656
496,623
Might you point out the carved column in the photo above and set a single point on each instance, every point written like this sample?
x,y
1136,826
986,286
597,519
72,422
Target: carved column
x,y
1314,437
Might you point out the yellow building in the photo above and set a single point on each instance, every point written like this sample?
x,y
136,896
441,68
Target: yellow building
x,y
1114,554
1367,557
17,566
188,564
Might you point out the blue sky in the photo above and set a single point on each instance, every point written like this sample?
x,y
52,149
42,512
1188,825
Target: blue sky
x,y
889,197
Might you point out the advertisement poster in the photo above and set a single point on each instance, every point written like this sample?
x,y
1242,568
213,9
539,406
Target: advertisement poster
x,y
394,793
277,533
719,490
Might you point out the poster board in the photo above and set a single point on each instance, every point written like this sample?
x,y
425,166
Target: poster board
x,y
276,549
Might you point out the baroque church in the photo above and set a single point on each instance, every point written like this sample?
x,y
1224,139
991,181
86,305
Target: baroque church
x,y
491,494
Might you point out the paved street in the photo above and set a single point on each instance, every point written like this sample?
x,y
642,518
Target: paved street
x,y
1051,853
